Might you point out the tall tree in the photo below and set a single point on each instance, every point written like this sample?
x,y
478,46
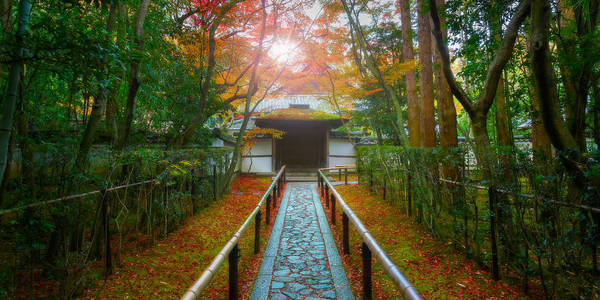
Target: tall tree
x,y
502,118
134,70
373,67
428,136
445,100
100,99
188,132
478,110
577,57
412,99
14,77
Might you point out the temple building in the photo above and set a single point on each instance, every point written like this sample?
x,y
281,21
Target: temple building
x,y
310,140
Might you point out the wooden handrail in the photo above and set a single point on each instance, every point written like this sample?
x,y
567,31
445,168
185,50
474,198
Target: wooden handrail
x,y
230,250
370,246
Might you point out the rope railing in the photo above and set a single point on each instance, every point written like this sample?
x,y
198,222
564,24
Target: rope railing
x,y
370,247
231,249
71,197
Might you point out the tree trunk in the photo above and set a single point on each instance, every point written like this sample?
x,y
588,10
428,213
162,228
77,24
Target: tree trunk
x,y
412,99
502,119
446,108
99,103
373,67
188,133
426,77
576,68
111,117
14,76
596,116
22,128
6,15
539,139
252,88
546,89
134,81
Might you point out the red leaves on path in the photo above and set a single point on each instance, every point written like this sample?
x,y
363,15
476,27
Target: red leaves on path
x,y
432,266
166,270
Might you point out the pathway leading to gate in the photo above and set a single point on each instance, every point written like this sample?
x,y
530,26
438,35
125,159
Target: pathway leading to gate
x,y
301,260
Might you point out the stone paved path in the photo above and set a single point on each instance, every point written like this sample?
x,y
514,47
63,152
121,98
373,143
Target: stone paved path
x,y
301,260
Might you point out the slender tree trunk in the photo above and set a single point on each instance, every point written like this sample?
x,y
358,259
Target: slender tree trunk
x,y
14,76
22,128
9,167
412,99
99,103
596,114
547,92
6,15
539,139
426,77
446,108
188,133
447,119
252,88
111,112
502,119
134,81
373,67
577,69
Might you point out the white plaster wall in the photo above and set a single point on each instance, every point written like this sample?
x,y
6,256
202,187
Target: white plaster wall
x,y
262,147
259,164
341,147
334,161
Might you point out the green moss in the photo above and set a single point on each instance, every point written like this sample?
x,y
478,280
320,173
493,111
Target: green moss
x,y
300,114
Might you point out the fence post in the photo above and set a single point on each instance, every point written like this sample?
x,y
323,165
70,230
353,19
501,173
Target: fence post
x,y
346,176
214,182
409,193
273,200
370,180
367,284
346,239
384,187
268,208
234,256
339,174
107,252
257,232
332,199
492,205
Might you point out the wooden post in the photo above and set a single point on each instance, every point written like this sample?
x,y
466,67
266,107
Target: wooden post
x,y
346,176
345,234
214,182
384,187
492,205
409,194
234,256
332,199
273,200
268,208
327,200
257,233
367,284
370,180
339,174
107,252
